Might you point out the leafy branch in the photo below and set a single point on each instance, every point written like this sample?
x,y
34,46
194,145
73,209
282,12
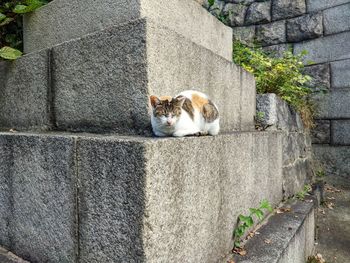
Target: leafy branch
x,y
11,12
246,222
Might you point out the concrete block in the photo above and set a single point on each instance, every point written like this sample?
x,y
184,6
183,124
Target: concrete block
x,y
333,105
305,27
325,49
235,14
340,132
337,19
277,114
258,12
295,176
244,34
294,147
282,9
321,76
335,159
63,20
24,93
43,193
8,257
142,202
5,190
340,74
277,50
322,132
317,5
271,34
102,82
292,246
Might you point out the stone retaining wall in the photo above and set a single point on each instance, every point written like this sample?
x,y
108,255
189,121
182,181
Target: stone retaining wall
x,y
322,27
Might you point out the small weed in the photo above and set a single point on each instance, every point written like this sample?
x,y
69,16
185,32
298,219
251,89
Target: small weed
x,y
301,195
244,223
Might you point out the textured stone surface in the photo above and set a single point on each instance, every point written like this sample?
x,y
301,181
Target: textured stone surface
x,y
325,49
277,50
341,74
8,257
102,84
235,14
340,132
24,93
294,147
337,19
292,237
258,12
217,8
321,76
282,9
244,34
62,20
316,5
270,34
243,2
336,160
187,193
277,114
295,176
42,214
304,27
322,132
333,105
5,189
112,200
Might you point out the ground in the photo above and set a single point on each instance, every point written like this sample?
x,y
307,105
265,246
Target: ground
x,y
333,221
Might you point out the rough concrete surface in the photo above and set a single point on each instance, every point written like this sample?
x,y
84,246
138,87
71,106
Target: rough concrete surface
x,y
337,19
102,82
335,159
8,257
41,217
284,238
24,87
340,132
139,199
333,225
341,74
316,5
62,20
325,49
333,105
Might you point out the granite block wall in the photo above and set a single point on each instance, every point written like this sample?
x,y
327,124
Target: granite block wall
x,y
321,27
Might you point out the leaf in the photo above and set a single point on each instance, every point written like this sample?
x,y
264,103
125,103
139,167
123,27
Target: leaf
x,y
240,251
7,21
21,9
10,53
266,205
2,17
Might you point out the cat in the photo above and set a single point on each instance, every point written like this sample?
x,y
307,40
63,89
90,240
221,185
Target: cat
x,y
189,113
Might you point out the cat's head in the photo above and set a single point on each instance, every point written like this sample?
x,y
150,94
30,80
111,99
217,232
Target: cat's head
x,y
167,110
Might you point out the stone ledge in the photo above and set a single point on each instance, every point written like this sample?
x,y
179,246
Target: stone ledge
x,y
63,20
139,199
8,257
291,234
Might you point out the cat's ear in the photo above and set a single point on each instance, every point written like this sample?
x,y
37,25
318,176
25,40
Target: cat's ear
x,y
154,101
180,100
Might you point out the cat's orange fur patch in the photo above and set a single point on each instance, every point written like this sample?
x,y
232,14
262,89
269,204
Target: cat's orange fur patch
x,y
198,102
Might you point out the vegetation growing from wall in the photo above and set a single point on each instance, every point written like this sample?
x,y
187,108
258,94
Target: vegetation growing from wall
x,y
11,12
280,75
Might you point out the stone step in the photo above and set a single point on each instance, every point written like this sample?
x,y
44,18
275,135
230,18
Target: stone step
x,y
102,82
93,198
63,20
8,257
284,238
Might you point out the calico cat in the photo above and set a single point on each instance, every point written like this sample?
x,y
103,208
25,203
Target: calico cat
x,y
189,113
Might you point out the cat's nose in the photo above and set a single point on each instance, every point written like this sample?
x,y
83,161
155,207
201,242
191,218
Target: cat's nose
x,y
169,122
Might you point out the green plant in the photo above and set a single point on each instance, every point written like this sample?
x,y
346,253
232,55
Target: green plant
x,y
11,25
244,223
280,75
211,2
306,190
